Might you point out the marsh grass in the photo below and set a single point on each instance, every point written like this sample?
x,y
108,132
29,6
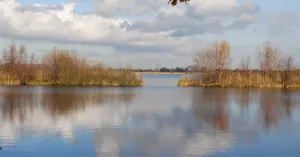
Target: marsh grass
x,y
255,79
61,68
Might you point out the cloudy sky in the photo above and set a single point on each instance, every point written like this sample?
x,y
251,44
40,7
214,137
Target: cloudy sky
x,y
149,32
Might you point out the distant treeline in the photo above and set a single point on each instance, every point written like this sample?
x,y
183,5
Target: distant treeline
x,y
275,69
164,69
60,67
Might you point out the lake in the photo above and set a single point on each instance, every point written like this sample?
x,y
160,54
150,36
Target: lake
x,y
158,120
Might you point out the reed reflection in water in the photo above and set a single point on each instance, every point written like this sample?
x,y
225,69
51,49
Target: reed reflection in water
x,y
57,110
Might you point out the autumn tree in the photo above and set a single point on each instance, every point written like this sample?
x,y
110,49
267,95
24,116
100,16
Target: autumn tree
x,y
215,57
222,55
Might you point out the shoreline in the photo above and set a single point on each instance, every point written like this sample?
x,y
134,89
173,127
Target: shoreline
x,y
41,85
164,73
71,85
185,82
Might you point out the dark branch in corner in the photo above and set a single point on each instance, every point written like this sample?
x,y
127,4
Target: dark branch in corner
x,y
174,2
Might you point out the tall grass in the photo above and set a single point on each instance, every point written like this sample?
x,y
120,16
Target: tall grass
x,y
251,78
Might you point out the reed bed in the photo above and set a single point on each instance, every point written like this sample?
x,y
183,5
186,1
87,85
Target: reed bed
x,y
255,79
61,68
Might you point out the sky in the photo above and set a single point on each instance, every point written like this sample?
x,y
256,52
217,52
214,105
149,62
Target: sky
x,y
148,33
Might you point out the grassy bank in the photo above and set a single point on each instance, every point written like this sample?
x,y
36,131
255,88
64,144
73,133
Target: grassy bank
x,y
255,79
62,68
273,69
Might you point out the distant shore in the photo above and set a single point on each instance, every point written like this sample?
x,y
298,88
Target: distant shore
x,y
164,73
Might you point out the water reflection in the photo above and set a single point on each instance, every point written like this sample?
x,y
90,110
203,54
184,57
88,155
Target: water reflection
x,y
273,105
57,110
144,121
210,105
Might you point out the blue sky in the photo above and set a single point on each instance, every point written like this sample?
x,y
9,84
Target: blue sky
x,y
140,33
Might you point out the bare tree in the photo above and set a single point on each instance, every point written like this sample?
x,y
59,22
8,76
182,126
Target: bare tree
x,y
10,60
30,69
21,65
268,57
287,66
245,69
214,57
52,65
204,59
245,64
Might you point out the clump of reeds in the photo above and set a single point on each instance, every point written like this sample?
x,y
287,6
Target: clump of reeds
x,y
61,67
278,79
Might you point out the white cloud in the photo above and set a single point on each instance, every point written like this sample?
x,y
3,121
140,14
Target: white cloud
x,y
61,23
129,7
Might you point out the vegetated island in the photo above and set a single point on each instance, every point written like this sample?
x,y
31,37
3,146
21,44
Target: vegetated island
x,y
60,68
276,69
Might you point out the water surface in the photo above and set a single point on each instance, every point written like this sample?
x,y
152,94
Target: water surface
x,y
159,119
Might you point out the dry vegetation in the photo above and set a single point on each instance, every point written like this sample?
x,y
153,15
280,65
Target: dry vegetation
x,y
60,67
275,69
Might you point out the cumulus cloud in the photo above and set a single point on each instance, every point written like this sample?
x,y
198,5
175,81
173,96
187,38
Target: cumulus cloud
x,y
60,23
202,16
57,24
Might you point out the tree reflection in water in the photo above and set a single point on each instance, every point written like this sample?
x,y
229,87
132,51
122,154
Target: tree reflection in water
x,y
210,105
213,105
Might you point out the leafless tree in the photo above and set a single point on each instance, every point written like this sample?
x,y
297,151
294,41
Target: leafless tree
x,y
287,66
245,64
51,63
10,61
268,57
204,59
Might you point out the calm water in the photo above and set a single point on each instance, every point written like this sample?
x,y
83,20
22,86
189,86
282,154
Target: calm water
x,y
159,119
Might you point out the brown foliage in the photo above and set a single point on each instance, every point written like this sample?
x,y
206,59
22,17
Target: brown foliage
x,y
174,2
16,66
214,57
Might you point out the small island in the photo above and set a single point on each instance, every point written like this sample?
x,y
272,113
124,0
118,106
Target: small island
x,y
60,68
275,70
